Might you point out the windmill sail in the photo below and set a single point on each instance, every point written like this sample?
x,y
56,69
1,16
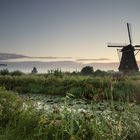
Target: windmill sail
x,y
129,33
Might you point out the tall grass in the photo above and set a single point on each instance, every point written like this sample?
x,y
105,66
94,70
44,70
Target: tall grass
x,y
21,120
80,86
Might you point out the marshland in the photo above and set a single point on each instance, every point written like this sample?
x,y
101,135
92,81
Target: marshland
x,y
69,106
60,78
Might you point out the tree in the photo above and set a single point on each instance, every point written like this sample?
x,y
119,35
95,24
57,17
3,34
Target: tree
x,y
34,71
87,70
4,72
100,73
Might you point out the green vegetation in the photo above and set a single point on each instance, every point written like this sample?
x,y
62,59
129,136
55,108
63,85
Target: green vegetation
x,y
13,73
16,73
4,72
21,120
34,70
89,87
87,70
90,107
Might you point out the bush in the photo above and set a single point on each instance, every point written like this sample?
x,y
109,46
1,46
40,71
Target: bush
x,y
87,70
10,106
18,118
4,72
16,73
34,71
99,73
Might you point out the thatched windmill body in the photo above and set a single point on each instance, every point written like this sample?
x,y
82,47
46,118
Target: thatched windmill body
x,y
128,60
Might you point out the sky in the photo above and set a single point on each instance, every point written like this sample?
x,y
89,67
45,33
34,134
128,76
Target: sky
x,y
67,28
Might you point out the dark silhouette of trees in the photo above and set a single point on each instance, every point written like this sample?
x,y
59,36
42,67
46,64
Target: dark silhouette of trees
x,y
100,73
34,71
16,73
4,72
87,70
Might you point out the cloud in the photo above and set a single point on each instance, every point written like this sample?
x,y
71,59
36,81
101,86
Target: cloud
x,y
98,59
6,56
52,57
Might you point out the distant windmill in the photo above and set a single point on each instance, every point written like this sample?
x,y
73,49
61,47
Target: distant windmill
x,y
127,60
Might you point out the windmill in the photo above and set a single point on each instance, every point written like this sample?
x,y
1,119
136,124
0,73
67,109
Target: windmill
x,y
127,61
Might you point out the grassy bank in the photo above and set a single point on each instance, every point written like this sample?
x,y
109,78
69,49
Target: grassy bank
x,y
94,88
20,120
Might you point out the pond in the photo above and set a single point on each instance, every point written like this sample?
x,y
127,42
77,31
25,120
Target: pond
x,y
49,103
103,111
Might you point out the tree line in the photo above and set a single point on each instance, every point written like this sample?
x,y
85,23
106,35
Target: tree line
x,y
87,70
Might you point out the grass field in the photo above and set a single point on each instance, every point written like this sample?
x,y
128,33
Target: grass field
x,y
48,107
89,87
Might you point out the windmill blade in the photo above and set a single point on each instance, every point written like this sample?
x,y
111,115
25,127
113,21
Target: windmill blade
x,y
118,52
137,46
129,32
117,45
138,50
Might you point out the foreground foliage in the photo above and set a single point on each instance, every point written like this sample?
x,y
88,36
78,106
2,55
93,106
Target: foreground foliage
x,y
21,120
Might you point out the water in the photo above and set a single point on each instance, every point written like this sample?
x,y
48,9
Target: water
x,y
65,64
60,104
50,103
